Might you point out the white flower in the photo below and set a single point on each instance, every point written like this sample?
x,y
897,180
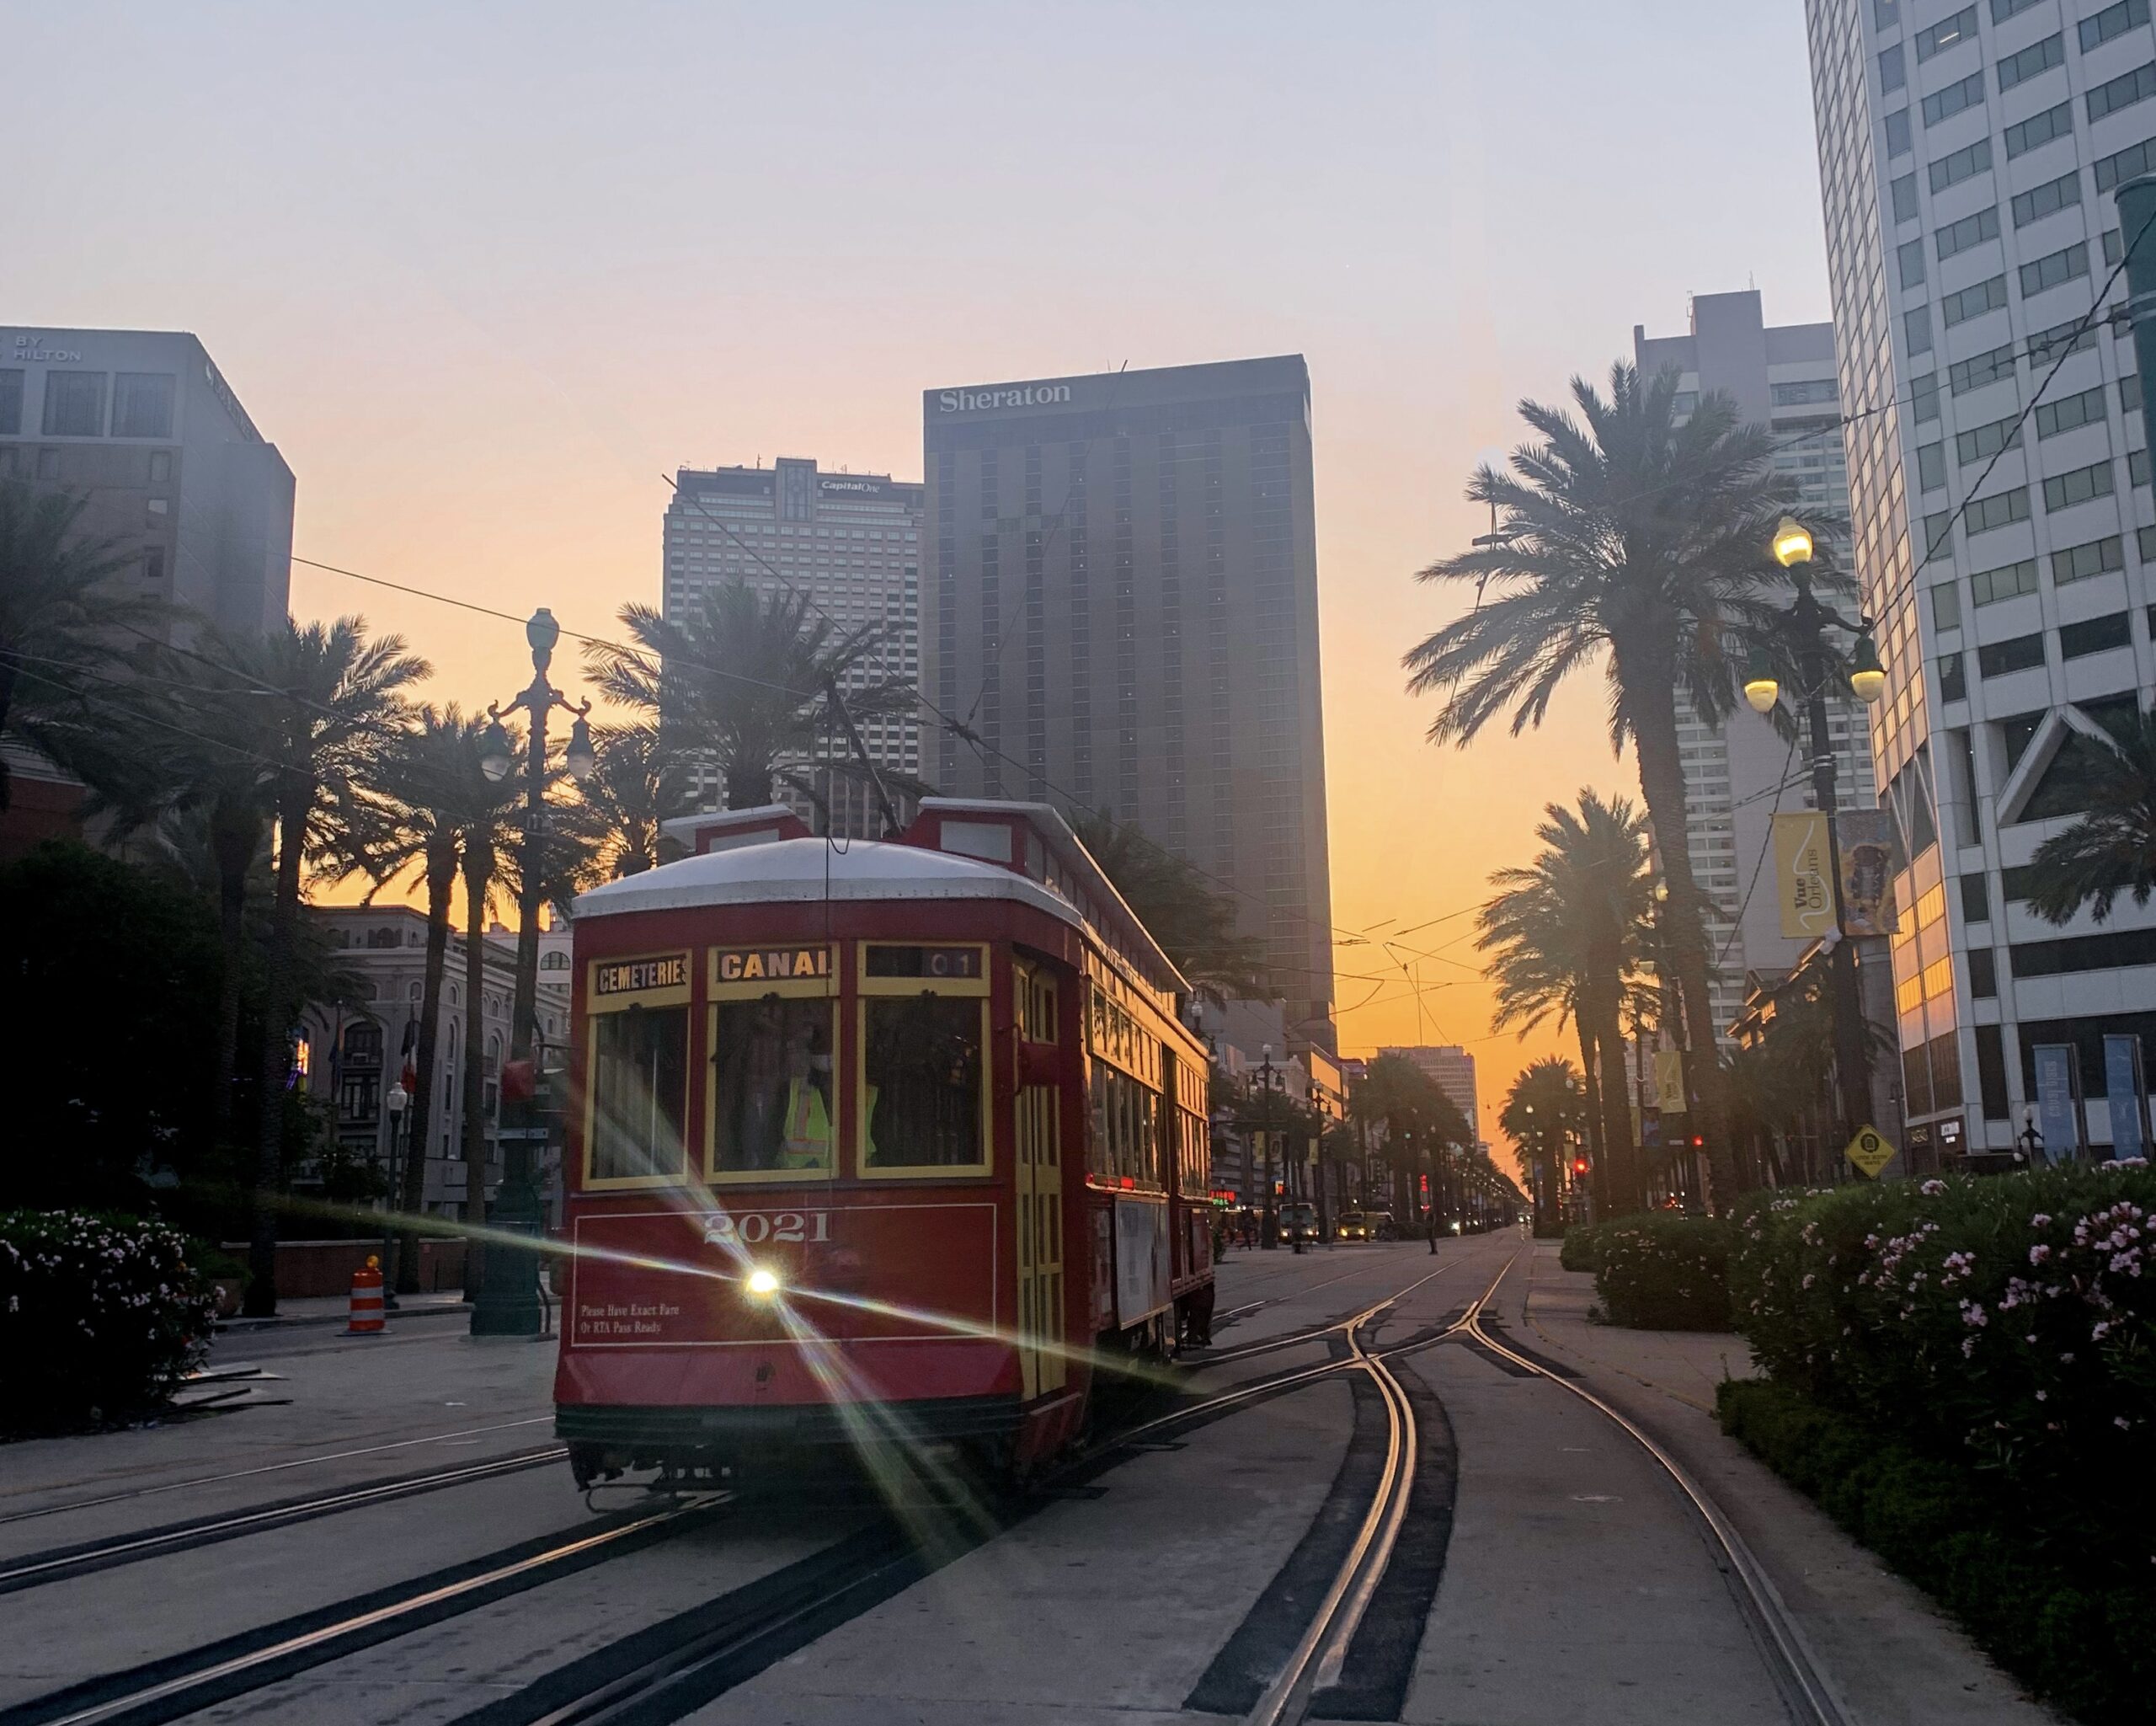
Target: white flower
x,y
1932,1189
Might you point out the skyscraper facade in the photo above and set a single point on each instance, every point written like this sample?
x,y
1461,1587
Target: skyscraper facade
x,y
1739,773
1999,493
848,543
1123,612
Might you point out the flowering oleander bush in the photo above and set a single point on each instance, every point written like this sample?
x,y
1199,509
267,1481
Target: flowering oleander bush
x,y
2009,1321
100,1316
1660,1271
1583,1246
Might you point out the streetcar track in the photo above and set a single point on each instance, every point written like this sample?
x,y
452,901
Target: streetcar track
x,y
174,1486
683,1662
1795,1672
185,1683
35,1569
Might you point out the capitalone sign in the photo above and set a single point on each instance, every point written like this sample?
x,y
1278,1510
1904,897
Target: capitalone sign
x,y
1016,395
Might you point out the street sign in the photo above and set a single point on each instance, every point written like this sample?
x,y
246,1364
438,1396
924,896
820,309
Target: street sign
x,y
1870,1151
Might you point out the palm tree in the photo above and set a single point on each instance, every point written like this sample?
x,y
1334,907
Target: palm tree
x,y
2112,848
326,703
1192,921
64,623
1544,1106
1631,535
421,804
1415,1111
746,686
636,786
1567,933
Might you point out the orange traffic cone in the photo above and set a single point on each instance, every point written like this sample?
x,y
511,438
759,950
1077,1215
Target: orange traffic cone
x,y
366,1300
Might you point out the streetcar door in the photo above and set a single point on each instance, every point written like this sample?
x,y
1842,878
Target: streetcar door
x,y
1039,1198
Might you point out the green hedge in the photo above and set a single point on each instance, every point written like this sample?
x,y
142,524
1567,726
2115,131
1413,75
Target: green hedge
x,y
1661,1271
2068,1618
100,1317
1581,1250
2009,1321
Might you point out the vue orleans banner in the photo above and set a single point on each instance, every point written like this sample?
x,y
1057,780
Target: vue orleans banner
x,y
1803,875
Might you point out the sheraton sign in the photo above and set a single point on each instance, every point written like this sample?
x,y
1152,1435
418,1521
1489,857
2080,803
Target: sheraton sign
x,y
1014,395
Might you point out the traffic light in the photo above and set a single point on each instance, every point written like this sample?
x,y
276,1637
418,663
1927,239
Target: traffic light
x,y
1698,1142
1579,1165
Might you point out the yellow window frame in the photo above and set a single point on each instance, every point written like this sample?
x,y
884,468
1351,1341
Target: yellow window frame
x,y
718,993
597,1007
878,988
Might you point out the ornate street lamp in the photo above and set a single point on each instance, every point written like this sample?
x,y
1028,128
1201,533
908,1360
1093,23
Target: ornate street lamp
x,y
1793,550
508,1302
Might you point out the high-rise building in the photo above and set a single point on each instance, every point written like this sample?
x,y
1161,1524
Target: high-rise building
x,y
1451,1068
850,543
1123,610
1998,486
143,425
1737,774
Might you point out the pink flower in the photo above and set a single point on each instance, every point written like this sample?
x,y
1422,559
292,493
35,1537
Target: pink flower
x,y
2039,1253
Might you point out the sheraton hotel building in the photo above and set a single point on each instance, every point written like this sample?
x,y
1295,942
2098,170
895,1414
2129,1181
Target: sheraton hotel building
x,y
1120,602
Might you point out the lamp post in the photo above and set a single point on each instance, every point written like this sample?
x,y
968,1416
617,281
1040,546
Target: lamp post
x,y
398,1100
1269,1229
1792,548
508,1302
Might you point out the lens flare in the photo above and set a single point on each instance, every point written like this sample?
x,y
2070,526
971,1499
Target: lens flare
x,y
763,1282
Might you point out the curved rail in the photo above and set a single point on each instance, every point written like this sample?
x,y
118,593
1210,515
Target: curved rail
x,y
1796,1673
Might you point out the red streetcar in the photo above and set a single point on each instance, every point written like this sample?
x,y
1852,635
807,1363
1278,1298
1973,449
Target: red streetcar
x,y
879,1138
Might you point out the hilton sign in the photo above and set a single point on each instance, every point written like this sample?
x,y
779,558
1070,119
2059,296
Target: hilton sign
x,y
1017,395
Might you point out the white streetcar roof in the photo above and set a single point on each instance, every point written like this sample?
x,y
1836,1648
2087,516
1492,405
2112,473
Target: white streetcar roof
x,y
803,871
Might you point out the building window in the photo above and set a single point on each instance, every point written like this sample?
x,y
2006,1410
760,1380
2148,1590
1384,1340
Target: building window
x,y
1981,369
1983,973
1909,261
142,404
1976,900
1980,442
1797,395
1893,70
1916,327
2007,581
2134,159
2040,128
2038,57
1999,509
2098,557
1946,33
2049,270
2078,485
1903,192
2112,21
1942,105
1931,467
2068,412
1991,1071
2122,92
74,404
2095,635
1947,606
1953,684
2048,198
1984,296
1898,133
2017,653
1969,230
1924,399
11,402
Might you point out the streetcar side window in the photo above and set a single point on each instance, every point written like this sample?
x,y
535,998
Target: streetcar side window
x,y
923,1081
1123,1148
772,1105
639,1089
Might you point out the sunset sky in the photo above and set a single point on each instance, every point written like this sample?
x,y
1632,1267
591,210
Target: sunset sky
x,y
485,274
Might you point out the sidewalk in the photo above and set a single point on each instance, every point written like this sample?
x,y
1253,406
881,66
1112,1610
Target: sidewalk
x,y
1891,1654
309,1310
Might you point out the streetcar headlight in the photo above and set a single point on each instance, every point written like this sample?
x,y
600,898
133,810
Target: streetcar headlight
x,y
763,1282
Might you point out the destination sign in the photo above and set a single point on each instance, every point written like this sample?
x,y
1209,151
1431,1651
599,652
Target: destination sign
x,y
629,976
760,965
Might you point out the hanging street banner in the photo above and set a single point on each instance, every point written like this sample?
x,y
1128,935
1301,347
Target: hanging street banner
x,y
1669,1081
1870,1151
2058,1099
1871,855
1803,880
2126,1093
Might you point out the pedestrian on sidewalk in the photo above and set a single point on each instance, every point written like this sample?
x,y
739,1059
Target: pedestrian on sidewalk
x,y
1433,1230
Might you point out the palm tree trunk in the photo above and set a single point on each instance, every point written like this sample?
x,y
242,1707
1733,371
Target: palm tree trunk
x,y
1661,784
441,879
1627,1175
1596,1139
477,876
294,810
749,787
234,836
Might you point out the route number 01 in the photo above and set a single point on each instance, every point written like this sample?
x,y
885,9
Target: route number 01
x,y
753,1228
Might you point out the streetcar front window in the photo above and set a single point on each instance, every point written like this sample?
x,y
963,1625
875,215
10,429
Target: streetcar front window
x,y
923,1074
772,1105
639,1091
